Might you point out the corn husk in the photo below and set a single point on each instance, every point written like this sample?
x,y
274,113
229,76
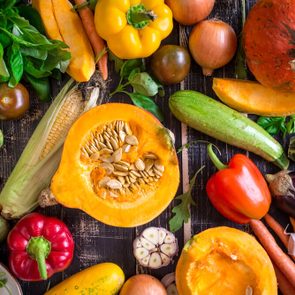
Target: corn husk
x,y
41,156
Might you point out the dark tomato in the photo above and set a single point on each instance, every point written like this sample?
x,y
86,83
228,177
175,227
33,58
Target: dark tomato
x,y
14,102
171,64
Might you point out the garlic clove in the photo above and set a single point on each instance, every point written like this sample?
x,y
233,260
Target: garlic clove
x,y
155,261
147,244
140,253
145,261
168,249
151,234
137,243
165,259
162,235
170,238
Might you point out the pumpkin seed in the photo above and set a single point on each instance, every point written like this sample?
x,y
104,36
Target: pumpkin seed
x,y
106,136
127,128
141,181
121,179
113,195
107,159
123,163
127,179
102,145
114,143
151,173
122,135
104,181
135,173
103,195
249,290
126,148
109,145
114,184
139,164
149,163
109,168
117,155
132,179
106,151
157,172
150,156
101,139
121,168
159,166
120,173
131,139
95,156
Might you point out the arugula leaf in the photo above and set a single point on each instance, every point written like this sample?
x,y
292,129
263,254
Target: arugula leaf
x,y
1,138
16,66
143,83
182,210
146,103
129,65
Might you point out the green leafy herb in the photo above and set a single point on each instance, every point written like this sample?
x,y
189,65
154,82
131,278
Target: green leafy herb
x,y
182,211
132,74
24,51
291,149
1,138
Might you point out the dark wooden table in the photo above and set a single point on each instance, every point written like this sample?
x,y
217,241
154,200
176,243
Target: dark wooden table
x,y
97,242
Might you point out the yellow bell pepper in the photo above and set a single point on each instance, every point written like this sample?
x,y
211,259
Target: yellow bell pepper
x,y
133,28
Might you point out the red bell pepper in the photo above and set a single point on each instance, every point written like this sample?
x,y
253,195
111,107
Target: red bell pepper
x,y
238,191
39,246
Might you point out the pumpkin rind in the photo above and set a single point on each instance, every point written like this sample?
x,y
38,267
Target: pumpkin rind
x,y
72,186
238,250
269,42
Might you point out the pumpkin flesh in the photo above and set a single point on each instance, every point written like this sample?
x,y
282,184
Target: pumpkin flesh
x,y
134,196
224,260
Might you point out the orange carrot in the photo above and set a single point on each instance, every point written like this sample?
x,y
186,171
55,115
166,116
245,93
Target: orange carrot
x,y
277,228
292,220
96,41
284,285
282,260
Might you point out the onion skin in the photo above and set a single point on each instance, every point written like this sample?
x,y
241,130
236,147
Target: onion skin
x,y
189,12
213,44
143,285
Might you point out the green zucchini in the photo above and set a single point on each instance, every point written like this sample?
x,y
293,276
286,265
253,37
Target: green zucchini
x,y
219,121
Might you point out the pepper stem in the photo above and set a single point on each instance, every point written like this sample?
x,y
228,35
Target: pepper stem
x,y
217,163
39,249
139,17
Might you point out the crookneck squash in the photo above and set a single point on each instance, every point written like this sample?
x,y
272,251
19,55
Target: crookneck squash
x,y
224,260
119,165
269,42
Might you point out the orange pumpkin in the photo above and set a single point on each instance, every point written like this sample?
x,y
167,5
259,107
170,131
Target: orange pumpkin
x,y
269,42
224,261
119,165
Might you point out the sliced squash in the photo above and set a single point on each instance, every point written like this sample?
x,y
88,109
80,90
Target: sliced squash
x,y
119,165
224,260
253,98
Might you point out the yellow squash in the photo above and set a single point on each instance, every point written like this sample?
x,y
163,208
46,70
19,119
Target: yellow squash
x,y
253,98
105,279
119,165
61,22
224,261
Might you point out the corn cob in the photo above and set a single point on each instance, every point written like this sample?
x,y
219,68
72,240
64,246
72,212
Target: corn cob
x,y
41,156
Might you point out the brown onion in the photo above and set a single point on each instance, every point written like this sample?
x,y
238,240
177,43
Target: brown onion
x,y
143,285
213,44
189,12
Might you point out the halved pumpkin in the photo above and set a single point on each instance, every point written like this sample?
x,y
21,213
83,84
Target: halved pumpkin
x,y
224,260
119,165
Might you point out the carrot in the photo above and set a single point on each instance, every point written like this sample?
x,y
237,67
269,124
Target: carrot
x,y
284,285
292,220
282,260
96,41
277,228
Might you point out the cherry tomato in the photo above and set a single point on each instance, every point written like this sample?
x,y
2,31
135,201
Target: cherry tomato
x,y
171,64
14,102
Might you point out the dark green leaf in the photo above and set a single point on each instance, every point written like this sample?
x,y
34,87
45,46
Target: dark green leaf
x,y
34,70
118,62
273,125
6,4
129,65
182,210
291,149
34,52
32,15
143,84
40,86
15,64
4,74
147,104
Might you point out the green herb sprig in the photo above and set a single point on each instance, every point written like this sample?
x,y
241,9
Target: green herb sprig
x,y
182,210
133,75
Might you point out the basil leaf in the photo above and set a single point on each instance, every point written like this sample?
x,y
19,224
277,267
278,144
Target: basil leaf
x,y
34,52
1,138
144,84
15,64
147,104
273,125
4,74
40,86
129,65
34,69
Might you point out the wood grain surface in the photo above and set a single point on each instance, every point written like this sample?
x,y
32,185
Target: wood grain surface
x,y
97,242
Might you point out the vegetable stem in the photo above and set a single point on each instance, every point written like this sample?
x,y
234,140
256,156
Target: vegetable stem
x,y
217,163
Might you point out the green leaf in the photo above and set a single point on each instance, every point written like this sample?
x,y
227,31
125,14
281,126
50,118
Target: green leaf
x,y
1,138
118,62
40,86
273,125
3,69
143,84
15,65
182,210
129,65
146,103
